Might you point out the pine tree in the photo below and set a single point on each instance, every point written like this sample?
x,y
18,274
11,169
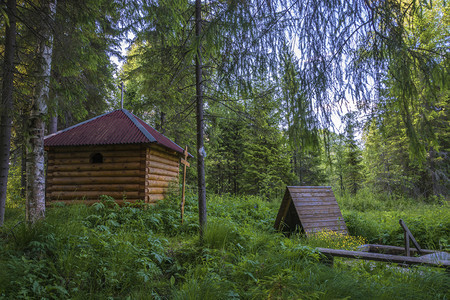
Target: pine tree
x,y
353,168
7,103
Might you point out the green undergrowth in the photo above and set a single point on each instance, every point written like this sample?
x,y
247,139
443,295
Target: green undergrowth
x,y
376,218
138,252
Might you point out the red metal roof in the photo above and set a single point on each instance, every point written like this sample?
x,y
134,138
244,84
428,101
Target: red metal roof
x,y
117,127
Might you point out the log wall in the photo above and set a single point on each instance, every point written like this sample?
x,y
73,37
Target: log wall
x,y
72,176
162,168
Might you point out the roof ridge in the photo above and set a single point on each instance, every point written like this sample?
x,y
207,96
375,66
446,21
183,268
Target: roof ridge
x,y
141,128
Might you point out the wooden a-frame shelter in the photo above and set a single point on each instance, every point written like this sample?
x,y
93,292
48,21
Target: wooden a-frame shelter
x,y
310,209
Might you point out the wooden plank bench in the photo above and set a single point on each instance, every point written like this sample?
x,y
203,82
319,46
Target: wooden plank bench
x,y
330,253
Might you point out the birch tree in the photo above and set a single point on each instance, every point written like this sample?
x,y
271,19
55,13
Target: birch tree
x,y
35,206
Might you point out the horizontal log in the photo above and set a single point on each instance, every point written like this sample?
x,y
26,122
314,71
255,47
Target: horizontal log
x,y
115,173
388,249
89,201
95,167
94,187
162,154
155,190
161,160
157,183
161,177
105,153
86,160
95,180
155,197
383,257
157,171
153,164
155,147
117,147
90,194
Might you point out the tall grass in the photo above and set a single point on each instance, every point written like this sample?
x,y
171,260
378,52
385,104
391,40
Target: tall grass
x,y
376,218
106,251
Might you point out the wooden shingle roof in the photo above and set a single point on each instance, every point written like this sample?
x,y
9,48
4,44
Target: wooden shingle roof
x,y
311,208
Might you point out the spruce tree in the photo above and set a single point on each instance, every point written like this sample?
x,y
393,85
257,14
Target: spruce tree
x,y
353,168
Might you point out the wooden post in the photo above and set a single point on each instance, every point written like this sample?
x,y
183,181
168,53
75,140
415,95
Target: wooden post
x,y
408,235
407,251
185,164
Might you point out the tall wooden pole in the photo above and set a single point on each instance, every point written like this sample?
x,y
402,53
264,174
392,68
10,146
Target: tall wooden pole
x,y
200,145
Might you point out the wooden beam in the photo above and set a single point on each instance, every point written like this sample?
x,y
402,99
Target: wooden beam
x,y
382,257
185,162
409,235
388,249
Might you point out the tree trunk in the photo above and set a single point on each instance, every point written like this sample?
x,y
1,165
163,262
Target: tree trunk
x,y
53,124
163,122
23,170
7,104
200,146
35,208
53,121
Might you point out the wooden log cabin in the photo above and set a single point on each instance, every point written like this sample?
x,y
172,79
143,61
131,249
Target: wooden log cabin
x,y
115,154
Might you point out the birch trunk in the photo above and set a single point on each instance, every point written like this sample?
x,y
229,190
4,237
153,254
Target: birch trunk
x,y
200,144
7,104
35,208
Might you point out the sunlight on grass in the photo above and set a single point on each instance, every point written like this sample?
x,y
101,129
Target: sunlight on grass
x,y
335,240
